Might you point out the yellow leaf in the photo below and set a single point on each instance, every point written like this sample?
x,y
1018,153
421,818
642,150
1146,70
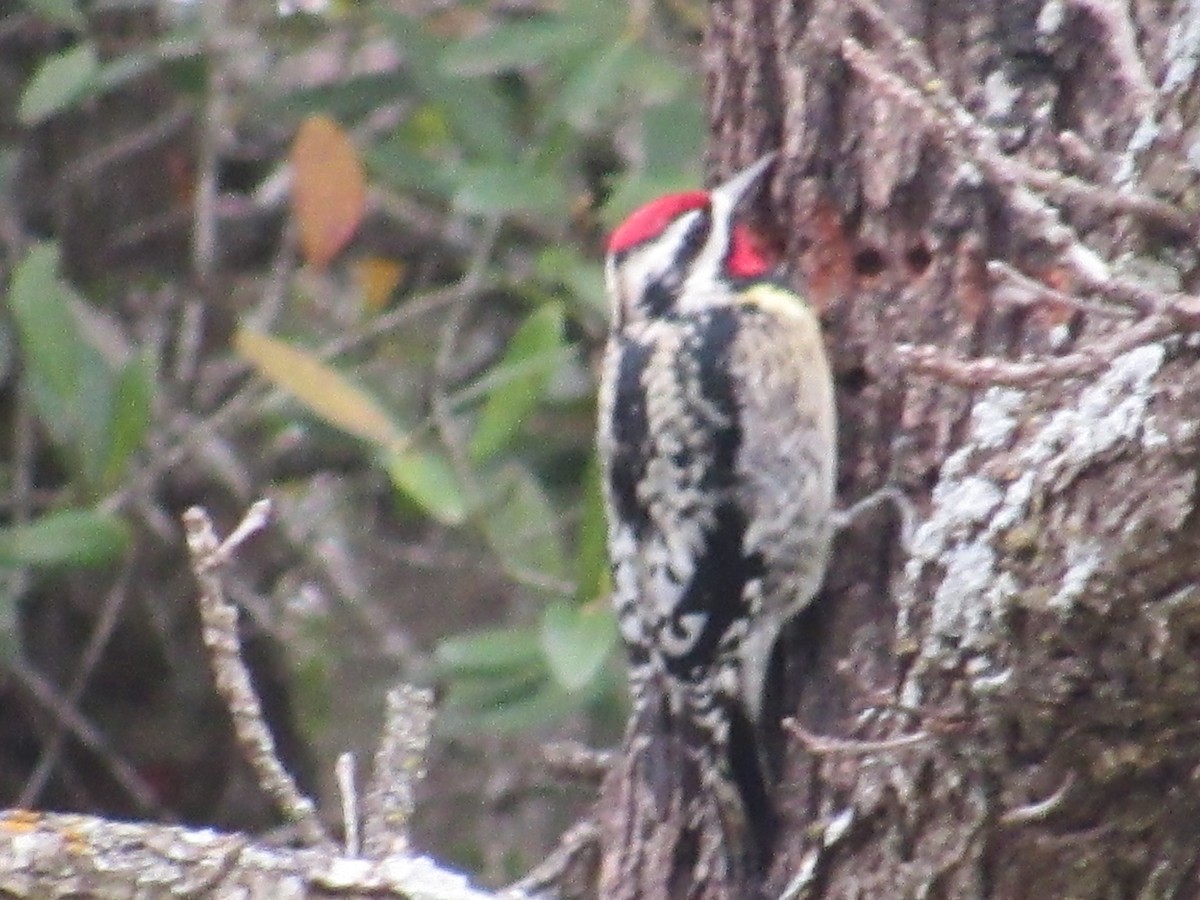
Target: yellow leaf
x,y
377,277
320,388
328,189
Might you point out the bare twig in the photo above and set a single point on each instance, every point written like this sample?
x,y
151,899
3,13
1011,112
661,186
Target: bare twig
x,y
930,360
88,167
959,128
441,410
399,767
574,760
275,290
577,849
89,736
219,621
96,645
1120,36
824,745
212,110
1041,810
1033,292
344,772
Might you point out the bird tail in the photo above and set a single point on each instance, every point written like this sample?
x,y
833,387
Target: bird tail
x,y
691,805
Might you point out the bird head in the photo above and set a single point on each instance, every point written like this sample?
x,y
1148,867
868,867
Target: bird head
x,y
683,252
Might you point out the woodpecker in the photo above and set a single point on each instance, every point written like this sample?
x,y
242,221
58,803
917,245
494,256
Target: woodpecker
x,y
717,449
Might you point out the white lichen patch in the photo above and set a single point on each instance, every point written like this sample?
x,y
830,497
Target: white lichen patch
x,y
957,610
1183,48
999,95
967,502
1051,16
1110,412
837,826
806,875
994,417
971,512
1084,559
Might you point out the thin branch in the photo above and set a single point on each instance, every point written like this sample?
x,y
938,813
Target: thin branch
x,y
88,167
92,653
219,621
1121,39
1184,309
348,790
574,760
1035,293
926,359
958,127
212,110
441,410
823,745
90,737
1041,810
578,848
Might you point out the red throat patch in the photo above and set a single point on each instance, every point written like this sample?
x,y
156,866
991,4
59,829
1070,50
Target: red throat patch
x,y
749,256
650,220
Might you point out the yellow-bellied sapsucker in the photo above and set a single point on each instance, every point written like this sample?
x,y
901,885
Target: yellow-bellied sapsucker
x,y
717,444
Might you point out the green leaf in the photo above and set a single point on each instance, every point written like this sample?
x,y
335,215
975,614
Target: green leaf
x,y
564,265
655,78
72,537
49,338
129,417
474,694
320,387
62,12
427,478
91,429
60,81
673,137
509,189
405,167
10,625
537,705
345,100
593,86
523,529
577,640
519,44
474,110
488,652
534,353
173,53
95,411
592,579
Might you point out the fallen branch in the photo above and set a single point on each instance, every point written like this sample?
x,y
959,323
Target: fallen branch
x,y
55,855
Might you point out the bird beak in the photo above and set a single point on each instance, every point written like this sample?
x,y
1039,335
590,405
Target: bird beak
x,y
731,193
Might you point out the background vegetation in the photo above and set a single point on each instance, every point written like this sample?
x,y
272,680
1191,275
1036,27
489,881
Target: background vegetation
x,y
347,257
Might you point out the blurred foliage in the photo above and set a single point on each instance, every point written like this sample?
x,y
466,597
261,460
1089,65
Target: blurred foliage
x,y
525,130
92,398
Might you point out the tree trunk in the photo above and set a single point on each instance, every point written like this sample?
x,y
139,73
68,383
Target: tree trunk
x,y
994,208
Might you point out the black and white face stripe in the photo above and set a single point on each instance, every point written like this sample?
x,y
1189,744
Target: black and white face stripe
x,y
646,279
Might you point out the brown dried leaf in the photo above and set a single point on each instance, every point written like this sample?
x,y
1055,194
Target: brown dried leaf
x,y
377,277
328,189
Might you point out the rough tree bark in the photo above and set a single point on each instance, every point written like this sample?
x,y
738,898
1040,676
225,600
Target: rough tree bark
x,y
994,206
